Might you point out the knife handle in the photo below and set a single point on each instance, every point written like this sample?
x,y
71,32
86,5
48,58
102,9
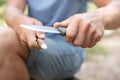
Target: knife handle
x,y
62,31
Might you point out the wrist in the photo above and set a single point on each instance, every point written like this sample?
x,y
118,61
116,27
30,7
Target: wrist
x,y
11,16
111,18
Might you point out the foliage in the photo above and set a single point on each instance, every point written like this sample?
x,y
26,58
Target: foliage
x,y
2,2
2,11
96,49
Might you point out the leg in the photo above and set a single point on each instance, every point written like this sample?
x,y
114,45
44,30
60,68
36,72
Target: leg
x,y
61,60
12,55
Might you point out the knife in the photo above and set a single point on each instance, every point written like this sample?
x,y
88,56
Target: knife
x,y
48,29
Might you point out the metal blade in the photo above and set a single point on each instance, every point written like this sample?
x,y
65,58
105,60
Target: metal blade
x,y
41,28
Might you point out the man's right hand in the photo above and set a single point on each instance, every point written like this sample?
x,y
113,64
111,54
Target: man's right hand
x,y
27,37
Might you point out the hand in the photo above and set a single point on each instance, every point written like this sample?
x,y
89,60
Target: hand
x,y
28,37
83,30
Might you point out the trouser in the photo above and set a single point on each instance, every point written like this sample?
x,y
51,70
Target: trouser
x,y
61,59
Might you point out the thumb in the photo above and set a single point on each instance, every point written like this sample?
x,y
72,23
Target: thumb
x,y
41,35
64,23
31,39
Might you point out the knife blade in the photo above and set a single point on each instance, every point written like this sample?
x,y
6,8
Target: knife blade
x,y
48,29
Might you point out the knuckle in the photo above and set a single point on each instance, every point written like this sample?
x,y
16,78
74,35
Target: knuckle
x,y
68,39
76,43
83,46
98,37
70,35
86,27
86,44
88,23
99,34
76,17
93,31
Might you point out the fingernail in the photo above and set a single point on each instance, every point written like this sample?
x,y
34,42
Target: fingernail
x,y
42,44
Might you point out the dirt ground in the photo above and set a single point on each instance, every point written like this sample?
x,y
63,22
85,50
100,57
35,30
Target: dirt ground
x,y
103,67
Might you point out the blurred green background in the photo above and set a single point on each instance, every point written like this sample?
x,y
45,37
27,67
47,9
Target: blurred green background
x,y
2,11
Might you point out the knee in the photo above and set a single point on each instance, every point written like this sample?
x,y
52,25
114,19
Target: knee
x,y
14,66
10,42
7,37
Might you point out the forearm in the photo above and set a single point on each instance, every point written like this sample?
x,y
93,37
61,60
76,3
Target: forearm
x,y
14,8
111,14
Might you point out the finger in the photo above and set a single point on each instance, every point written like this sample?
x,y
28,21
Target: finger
x,y
42,44
41,35
96,38
32,43
72,30
90,40
64,23
82,33
92,44
90,36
